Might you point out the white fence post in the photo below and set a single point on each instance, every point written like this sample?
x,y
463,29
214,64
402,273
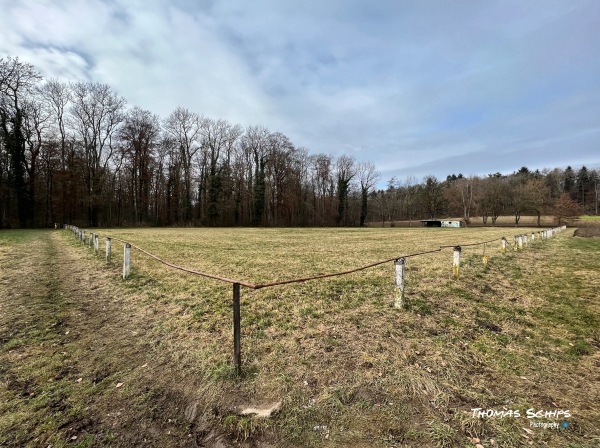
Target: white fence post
x,y
108,249
456,261
520,242
126,260
399,270
96,243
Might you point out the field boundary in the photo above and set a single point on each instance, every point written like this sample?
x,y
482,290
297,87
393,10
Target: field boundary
x,y
520,241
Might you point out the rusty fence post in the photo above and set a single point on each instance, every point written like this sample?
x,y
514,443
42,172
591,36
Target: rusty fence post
x,y
237,344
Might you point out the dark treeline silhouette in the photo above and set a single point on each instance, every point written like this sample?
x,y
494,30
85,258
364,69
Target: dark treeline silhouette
x,y
75,153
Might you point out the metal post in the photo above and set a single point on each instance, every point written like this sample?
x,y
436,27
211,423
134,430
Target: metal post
x,y
126,260
456,261
237,345
399,271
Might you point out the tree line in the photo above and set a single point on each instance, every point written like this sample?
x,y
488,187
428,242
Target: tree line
x,y
76,153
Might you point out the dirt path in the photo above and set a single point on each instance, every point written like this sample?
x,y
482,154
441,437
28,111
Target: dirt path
x,y
77,358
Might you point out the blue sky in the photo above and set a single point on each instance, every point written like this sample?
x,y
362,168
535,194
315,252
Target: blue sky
x,y
418,87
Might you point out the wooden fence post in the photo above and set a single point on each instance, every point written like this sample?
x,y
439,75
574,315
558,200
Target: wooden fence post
x,y
108,249
126,260
237,343
503,250
456,261
399,271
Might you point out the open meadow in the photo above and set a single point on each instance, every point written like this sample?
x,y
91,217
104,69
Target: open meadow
x,y
89,359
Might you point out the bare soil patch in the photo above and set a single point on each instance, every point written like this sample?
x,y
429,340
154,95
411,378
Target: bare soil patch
x,y
587,228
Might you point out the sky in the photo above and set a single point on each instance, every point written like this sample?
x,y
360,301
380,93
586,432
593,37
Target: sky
x,y
418,87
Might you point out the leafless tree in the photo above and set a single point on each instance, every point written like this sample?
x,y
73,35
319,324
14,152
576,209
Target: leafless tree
x,y
368,177
96,113
184,128
17,82
345,172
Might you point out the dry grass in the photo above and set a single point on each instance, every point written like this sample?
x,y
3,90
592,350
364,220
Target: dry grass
x,y
351,370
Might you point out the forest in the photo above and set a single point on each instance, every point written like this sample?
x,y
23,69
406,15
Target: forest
x,y
77,153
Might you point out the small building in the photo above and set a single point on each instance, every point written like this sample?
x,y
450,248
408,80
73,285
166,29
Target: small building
x,y
441,223
431,223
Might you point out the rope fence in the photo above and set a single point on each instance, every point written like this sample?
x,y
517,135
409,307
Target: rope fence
x,y
519,242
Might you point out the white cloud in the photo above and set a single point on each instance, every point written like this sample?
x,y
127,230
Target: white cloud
x,y
412,86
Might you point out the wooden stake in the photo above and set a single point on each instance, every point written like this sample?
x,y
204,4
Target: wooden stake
x,y
399,271
237,344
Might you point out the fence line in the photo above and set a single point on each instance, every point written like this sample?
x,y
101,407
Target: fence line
x,y
520,241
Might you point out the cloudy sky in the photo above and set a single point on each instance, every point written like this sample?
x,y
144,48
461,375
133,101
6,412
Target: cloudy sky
x,y
418,87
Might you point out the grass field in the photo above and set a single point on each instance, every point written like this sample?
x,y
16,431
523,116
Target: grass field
x,y
348,369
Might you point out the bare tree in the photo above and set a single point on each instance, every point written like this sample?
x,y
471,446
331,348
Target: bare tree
x,y
17,81
184,129
368,177
57,96
346,170
323,187
218,138
537,196
139,137
36,118
254,145
96,113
